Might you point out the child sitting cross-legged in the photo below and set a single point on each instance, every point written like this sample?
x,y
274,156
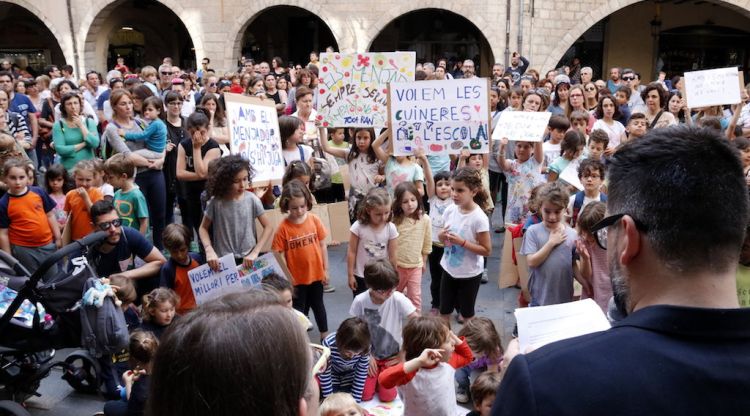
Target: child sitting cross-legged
x,y
484,341
425,380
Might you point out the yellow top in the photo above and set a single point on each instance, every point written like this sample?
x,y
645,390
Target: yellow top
x,y
743,285
414,241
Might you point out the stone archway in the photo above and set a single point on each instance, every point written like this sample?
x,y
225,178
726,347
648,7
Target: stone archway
x,y
63,44
99,22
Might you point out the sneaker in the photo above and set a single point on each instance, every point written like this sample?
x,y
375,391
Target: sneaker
x,y
328,288
484,277
462,395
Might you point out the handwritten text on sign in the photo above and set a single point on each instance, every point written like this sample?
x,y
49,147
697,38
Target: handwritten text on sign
x,y
209,284
712,87
254,134
440,116
353,88
522,126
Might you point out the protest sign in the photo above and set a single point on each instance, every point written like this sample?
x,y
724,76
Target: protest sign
x,y
209,284
570,174
254,135
439,116
335,219
353,88
712,87
522,126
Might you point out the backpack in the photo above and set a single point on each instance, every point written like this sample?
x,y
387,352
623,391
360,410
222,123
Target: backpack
x,y
578,204
103,328
321,169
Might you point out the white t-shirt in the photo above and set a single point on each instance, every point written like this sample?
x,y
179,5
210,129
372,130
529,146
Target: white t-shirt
x,y
614,131
551,152
458,261
373,244
292,155
385,321
437,208
431,392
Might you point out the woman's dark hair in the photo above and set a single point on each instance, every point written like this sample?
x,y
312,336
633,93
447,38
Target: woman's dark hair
x,y
220,119
354,150
473,180
141,92
556,99
572,140
741,143
306,72
294,189
205,366
54,172
254,81
68,83
659,89
399,192
287,126
172,96
680,114
504,81
199,119
599,113
220,183
67,97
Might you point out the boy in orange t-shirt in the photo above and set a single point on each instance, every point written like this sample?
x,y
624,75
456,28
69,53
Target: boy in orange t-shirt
x,y
78,202
174,273
301,238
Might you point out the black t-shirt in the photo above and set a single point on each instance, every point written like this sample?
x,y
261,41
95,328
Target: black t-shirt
x,y
175,135
193,189
131,243
276,97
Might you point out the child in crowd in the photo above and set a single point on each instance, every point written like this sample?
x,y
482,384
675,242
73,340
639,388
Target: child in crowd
x,y
481,163
481,335
591,174
607,114
57,184
28,228
372,237
570,150
557,126
129,201
350,359
301,171
174,273
622,98
155,135
483,391
592,269
534,216
398,168
142,348
432,353
283,287
336,138
579,120
522,174
363,166
467,240
439,198
100,180
159,310
78,202
637,126
516,97
292,134
548,248
414,238
231,205
384,310
149,75
300,237
339,404
598,143
113,366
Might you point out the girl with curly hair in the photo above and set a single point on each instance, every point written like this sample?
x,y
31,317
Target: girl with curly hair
x,y
231,214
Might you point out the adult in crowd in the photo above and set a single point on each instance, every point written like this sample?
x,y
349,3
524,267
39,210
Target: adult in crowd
x,y
518,66
93,88
75,136
176,132
614,80
630,80
559,105
278,97
149,176
21,104
305,78
256,88
591,94
204,365
656,99
116,254
673,274
677,106
219,130
140,93
587,74
15,124
576,103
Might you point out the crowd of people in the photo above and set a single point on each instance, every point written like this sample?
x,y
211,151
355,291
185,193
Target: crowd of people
x,y
144,155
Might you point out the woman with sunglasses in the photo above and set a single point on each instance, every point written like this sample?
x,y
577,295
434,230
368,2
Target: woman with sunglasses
x,y
590,93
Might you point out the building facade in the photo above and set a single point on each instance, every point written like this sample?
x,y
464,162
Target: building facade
x,y
675,35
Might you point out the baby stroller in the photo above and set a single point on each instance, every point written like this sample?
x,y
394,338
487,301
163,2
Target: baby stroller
x,y
27,349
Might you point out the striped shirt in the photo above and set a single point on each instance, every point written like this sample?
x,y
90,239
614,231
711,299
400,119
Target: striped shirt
x,y
342,374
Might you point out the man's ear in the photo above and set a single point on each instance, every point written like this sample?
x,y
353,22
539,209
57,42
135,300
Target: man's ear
x,y
302,407
631,246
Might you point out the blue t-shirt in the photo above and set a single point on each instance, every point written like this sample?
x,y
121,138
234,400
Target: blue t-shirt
x,y
22,105
102,98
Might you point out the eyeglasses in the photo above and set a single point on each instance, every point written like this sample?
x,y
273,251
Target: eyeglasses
x,y
628,78
320,355
213,84
591,89
104,226
600,229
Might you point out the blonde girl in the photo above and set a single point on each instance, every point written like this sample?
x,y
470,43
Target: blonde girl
x,y
78,202
159,308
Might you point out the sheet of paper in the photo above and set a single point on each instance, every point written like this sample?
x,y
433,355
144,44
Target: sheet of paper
x,y
541,325
570,174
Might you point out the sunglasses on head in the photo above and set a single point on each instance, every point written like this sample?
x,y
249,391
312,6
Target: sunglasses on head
x,y
104,226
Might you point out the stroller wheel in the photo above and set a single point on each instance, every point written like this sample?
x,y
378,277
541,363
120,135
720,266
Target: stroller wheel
x,y
82,372
9,408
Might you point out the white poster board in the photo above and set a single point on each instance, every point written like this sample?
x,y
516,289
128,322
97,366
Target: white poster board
x,y
254,135
712,87
440,116
541,325
208,284
522,126
570,174
353,88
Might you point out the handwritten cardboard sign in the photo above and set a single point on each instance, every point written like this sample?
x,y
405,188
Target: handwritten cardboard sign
x,y
440,116
254,134
712,87
522,126
208,284
353,88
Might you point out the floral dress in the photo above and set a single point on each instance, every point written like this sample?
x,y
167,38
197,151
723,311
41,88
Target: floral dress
x,y
522,178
